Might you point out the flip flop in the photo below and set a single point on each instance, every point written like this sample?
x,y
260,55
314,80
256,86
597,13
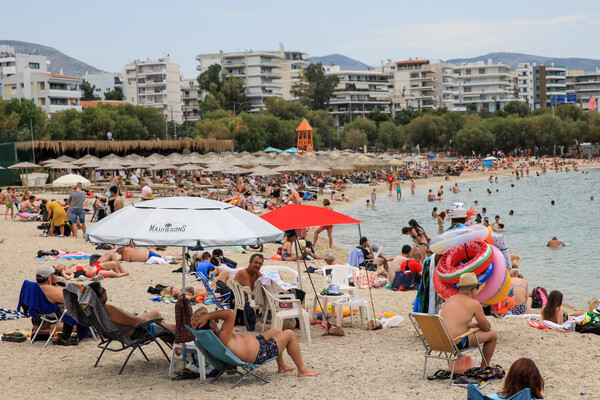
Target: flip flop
x,y
440,374
185,374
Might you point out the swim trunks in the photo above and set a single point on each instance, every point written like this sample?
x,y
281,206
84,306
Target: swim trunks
x,y
9,205
153,254
398,190
519,310
267,349
284,255
463,344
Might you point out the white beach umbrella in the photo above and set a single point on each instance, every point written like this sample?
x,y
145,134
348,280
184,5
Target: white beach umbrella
x,y
70,180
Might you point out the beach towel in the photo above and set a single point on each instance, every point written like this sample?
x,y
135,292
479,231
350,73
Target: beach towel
x,y
546,325
362,279
156,260
6,314
67,256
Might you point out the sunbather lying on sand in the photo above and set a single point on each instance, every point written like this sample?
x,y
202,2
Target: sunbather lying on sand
x,y
108,266
251,349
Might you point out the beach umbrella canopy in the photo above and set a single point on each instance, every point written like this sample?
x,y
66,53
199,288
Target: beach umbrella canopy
x,y
70,180
183,222
294,216
61,165
291,150
262,171
272,150
24,165
65,158
491,158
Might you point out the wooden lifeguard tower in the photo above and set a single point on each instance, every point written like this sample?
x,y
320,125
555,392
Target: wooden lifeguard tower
x,y
305,138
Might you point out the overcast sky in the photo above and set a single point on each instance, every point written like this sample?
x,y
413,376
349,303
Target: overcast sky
x,y
107,34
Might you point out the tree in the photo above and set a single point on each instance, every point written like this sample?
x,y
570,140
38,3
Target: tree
x,y
354,139
404,116
280,108
428,131
324,131
378,117
211,76
314,88
87,91
116,94
593,127
234,97
473,137
518,108
390,136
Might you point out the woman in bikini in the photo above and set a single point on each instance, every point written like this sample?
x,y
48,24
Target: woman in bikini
x,y
107,269
553,311
520,288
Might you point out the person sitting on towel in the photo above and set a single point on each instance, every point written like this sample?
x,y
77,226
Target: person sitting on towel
x,y
255,350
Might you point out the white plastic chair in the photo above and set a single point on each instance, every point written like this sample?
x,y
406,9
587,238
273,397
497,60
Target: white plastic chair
x,y
240,294
278,314
189,346
340,275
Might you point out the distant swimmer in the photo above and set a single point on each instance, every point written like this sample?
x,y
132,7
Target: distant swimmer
x,y
455,188
373,196
552,202
434,213
554,243
511,212
440,191
412,187
368,203
592,198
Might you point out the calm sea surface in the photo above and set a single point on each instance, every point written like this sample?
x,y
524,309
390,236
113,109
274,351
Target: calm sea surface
x,y
574,219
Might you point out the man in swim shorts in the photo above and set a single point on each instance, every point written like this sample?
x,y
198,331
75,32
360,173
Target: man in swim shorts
x,y
554,243
131,254
255,350
458,313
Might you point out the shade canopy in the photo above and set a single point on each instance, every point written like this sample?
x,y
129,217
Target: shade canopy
x,y
183,222
70,180
294,216
24,165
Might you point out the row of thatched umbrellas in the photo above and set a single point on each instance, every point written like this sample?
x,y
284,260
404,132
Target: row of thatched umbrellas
x,y
254,164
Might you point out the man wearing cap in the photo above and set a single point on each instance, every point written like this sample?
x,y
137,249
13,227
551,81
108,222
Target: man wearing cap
x,y
46,279
458,313
458,216
146,192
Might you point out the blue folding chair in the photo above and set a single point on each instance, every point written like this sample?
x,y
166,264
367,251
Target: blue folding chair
x,y
222,301
221,358
473,393
36,305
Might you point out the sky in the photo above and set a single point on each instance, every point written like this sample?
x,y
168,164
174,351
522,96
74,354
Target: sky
x,y
108,34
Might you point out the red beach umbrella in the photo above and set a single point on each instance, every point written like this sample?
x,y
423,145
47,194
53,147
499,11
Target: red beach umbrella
x,y
295,216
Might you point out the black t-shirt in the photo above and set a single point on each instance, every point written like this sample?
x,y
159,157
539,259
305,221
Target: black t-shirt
x,y
276,193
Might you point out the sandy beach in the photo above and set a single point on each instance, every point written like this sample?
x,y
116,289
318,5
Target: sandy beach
x,y
383,364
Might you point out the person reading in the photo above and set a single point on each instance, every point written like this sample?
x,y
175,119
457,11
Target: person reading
x,y
255,350
458,313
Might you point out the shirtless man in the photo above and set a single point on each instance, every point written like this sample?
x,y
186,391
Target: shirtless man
x,y
124,319
28,205
396,264
294,196
554,243
251,349
130,254
247,277
47,281
430,195
458,313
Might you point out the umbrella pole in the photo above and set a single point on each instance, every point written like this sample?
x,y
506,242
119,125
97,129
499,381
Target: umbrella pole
x,y
298,263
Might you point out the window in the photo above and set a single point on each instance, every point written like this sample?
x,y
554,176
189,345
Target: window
x,y
34,65
467,89
468,71
481,71
414,75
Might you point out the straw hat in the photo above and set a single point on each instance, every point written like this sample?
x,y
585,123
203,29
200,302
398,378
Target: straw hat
x,y
457,210
468,280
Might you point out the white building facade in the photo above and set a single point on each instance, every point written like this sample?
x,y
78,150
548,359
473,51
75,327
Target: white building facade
x,y
190,99
585,86
487,86
104,82
155,83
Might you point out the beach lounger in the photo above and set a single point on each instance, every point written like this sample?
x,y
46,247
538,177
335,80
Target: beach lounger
x,y
222,301
85,308
36,305
220,357
473,393
437,340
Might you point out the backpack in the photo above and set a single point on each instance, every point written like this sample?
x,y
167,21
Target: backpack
x,y
539,296
403,281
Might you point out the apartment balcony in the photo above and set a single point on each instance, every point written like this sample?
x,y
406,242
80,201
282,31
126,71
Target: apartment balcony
x,y
52,108
68,94
583,90
8,70
152,83
264,63
234,64
268,75
265,85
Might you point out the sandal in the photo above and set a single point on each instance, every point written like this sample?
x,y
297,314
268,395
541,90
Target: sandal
x,y
185,374
440,374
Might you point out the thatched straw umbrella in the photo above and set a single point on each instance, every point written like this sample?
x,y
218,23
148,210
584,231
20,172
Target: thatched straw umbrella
x,y
24,166
65,158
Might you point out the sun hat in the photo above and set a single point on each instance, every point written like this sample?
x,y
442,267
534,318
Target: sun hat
x,y
457,210
468,279
44,271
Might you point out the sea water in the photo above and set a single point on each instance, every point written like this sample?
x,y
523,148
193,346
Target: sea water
x,y
574,219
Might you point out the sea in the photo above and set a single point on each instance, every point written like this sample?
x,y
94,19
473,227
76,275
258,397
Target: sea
x,y
574,219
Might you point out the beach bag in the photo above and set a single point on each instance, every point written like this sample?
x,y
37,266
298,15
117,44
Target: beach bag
x,y
539,296
403,281
249,317
366,279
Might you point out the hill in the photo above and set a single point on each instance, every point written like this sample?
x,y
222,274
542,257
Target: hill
x,y
58,60
345,63
513,59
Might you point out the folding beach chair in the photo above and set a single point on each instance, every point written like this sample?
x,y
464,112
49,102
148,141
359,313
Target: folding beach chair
x,y
437,340
222,301
85,307
473,393
36,305
220,357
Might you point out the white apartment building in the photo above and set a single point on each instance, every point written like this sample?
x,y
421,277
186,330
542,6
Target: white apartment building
x,y
487,86
190,98
585,85
26,76
155,83
359,92
104,82
541,85
261,71
291,64
416,84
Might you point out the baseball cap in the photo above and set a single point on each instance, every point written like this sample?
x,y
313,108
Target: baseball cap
x,y
44,271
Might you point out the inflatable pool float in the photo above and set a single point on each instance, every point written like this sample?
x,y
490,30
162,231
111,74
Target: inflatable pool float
x,y
500,243
496,280
455,237
477,254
